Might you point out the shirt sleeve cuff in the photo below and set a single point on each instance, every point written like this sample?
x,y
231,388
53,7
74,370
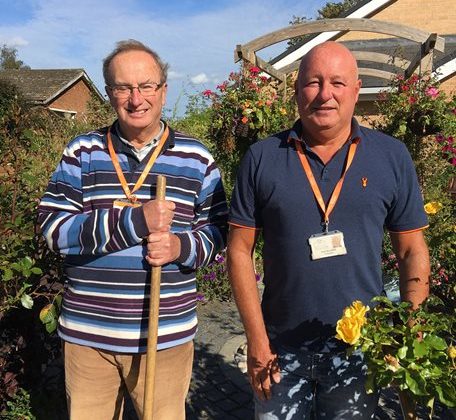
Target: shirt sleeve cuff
x,y
187,254
139,222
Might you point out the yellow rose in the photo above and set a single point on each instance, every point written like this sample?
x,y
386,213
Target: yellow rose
x,y
348,330
452,352
432,207
356,310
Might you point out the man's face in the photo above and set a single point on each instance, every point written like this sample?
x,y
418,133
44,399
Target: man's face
x,y
138,115
327,90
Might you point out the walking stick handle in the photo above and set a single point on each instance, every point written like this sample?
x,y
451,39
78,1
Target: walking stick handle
x,y
152,335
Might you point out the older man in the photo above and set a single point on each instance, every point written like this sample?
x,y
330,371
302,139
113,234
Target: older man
x,y
321,193
100,212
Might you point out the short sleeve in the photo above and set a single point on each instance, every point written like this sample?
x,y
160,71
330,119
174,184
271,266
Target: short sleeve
x,y
407,211
244,210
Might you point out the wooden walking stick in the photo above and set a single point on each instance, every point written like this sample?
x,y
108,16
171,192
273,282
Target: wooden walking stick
x,y
152,334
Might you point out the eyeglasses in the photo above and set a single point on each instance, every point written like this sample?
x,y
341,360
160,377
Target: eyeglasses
x,y
145,89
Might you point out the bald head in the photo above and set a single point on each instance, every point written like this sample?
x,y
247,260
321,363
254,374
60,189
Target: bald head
x,y
327,90
335,52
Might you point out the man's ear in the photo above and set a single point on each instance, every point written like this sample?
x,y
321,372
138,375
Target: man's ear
x,y
359,83
164,93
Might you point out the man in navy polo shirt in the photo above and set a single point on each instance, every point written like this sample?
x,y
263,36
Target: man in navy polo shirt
x,y
321,193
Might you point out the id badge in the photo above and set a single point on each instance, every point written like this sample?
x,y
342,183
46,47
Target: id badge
x,y
328,244
124,203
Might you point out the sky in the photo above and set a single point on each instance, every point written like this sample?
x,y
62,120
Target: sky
x,y
196,38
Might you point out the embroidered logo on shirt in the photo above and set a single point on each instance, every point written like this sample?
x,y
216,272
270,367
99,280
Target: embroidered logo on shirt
x,y
364,182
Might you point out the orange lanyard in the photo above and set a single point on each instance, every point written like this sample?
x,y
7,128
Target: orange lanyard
x,y
130,193
326,210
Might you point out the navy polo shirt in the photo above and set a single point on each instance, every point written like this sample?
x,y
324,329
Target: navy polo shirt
x,y
303,299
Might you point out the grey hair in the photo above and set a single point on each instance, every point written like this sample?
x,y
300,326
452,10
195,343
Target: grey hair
x,y
133,45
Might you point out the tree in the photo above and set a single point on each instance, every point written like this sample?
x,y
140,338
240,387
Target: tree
x,y
296,20
334,10
8,59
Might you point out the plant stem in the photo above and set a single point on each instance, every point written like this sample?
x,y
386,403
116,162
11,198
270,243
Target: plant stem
x,y
408,405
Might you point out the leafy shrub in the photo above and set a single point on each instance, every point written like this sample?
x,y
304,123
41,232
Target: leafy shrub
x,y
31,144
19,407
421,115
212,281
195,121
415,353
245,108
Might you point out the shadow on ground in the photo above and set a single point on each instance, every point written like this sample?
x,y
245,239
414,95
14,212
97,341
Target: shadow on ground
x,y
218,391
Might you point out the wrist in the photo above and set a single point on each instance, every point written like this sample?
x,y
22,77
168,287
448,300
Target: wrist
x,y
176,246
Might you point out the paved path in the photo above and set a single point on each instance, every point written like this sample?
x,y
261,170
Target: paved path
x,y
218,389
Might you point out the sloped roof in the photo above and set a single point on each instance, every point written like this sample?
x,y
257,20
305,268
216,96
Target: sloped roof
x,y
41,86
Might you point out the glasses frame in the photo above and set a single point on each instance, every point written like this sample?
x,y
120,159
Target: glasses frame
x,y
115,92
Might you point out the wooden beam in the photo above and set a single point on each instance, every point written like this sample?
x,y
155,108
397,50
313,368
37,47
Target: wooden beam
x,y
341,24
423,57
291,67
254,60
366,71
381,58
361,56
242,53
264,65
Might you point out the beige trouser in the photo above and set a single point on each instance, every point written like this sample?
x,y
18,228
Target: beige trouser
x,y
96,381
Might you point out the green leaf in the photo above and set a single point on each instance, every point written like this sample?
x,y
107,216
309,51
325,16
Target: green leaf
x,y
48,313
435,342
27,262
58,302
446,395
36,270
16,267
415,383
420,348
402,352
7,274
51,326
402,130
27,301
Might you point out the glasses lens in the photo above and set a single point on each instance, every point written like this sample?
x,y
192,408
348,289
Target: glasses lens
x,y
121,91
148,89
124,91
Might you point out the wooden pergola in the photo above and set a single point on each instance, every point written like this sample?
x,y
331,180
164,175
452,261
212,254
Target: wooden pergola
x,y
422,62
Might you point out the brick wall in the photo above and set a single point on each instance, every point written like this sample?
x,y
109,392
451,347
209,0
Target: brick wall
x,y
428,15
74,99
431,16
449,85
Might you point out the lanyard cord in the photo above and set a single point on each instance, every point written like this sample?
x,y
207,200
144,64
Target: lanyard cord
x,y
115,161
326,210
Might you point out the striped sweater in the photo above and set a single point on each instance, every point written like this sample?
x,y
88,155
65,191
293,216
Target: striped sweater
x,y
107,282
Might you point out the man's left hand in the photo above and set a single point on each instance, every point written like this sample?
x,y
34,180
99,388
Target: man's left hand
x,y
162,248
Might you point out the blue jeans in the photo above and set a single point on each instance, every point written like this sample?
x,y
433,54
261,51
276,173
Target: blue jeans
x,y
318,385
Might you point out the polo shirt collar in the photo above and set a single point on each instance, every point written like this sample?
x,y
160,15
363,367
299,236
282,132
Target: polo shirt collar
x,y
296,133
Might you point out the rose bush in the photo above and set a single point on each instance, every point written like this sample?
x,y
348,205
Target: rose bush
x,y
244,108
419,113
412,350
